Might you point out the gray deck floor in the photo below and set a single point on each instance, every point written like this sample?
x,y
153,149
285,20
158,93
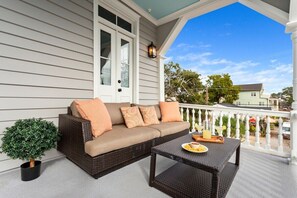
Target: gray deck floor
x,y
260,175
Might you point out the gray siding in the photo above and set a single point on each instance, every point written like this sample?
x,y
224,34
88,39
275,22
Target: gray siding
x,y
283,5
148,68
164,30
46,56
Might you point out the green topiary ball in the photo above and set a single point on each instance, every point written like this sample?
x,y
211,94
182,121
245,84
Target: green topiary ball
x,y
29,139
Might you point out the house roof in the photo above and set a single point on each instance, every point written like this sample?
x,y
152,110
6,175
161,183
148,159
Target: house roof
x,y
251,87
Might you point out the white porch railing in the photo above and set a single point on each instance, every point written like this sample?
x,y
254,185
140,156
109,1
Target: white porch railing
x,y
211,117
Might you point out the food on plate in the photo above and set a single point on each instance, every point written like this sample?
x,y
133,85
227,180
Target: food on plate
x,y
198,149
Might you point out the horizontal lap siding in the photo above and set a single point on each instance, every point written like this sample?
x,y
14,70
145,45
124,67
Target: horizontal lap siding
x,y
46,56
148,68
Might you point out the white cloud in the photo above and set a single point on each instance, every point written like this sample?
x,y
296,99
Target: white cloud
x,y
275,76
168,59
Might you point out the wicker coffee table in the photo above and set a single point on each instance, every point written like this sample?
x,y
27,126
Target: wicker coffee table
x,y
196,175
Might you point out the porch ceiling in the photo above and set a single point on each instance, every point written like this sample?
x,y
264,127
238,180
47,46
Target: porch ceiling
x,y
167,10
160,9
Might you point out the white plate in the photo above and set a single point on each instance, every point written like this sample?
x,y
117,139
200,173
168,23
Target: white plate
x,y
206,149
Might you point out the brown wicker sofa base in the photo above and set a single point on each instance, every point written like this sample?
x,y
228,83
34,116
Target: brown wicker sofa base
x,y
76,131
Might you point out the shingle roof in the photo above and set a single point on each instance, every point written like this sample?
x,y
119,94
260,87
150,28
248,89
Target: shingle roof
x,y
251,87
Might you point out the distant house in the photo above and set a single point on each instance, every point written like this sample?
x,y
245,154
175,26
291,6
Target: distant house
x,y
251,95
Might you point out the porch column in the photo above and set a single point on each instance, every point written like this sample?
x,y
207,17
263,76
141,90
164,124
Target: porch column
x,y
293,135
161,59
291,27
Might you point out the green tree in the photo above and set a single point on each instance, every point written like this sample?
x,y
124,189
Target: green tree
x,y
286,95
220,87
28,139
183,84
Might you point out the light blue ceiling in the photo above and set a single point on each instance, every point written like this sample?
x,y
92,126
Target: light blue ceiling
x,y
162,8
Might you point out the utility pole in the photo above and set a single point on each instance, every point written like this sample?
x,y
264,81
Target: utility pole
x,y
206,95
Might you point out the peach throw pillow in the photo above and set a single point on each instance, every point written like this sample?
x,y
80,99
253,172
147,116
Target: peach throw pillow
x,y
132,117
95,111
170,112
149,115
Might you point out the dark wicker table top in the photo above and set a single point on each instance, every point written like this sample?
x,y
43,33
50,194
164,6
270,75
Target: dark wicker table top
x,y
214,160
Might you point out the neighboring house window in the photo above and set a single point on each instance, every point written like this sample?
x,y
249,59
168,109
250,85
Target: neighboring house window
x,y
261,103
253,94
237,103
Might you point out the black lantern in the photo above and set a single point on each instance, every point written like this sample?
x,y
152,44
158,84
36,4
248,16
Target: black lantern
x,y
151,50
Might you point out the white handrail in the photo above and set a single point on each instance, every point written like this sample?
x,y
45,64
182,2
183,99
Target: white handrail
x,y
253,112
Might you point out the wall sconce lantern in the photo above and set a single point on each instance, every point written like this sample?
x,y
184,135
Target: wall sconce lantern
x,y
152,51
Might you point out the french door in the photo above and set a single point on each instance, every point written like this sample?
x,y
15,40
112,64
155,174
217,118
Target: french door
x,y
115,65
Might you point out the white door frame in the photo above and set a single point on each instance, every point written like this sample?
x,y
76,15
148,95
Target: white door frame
x,y
126,13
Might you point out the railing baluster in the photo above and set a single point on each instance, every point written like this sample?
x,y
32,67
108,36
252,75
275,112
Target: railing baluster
x,y
237,131
213,123
206,119
280,147
221,119
199,117
193,120
229,125
267,146
247,130
257,134
182,113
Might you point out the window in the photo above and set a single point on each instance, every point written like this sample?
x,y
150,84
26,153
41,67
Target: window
x,y
109,16
261,103
253,94
124,24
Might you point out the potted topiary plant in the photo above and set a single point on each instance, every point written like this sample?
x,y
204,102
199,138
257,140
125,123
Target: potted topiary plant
x,y
28,139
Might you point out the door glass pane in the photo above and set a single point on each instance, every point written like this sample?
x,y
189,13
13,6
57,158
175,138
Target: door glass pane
x,y
125,50
105,58
105,39
105,75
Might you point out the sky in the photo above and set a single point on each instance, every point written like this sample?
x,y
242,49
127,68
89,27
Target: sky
x,y
236,40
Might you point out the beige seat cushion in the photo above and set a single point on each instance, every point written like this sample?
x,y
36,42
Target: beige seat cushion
x,y
168,128
119,137
114,110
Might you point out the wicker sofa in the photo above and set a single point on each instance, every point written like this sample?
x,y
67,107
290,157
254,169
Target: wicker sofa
x,y
116,148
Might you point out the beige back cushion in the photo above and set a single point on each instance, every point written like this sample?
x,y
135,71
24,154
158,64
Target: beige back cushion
x,y
74,110
157,108
114,110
